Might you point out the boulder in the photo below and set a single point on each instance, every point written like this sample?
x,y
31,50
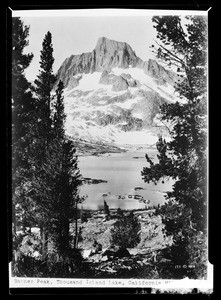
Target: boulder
x,y
122,252
104,258
95,258
97,248
116,252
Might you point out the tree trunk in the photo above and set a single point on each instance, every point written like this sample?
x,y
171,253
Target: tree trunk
x,y
76,229
13,220
65,246
44,238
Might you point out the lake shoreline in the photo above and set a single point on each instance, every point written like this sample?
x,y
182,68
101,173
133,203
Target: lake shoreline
x,y
120,180
96,148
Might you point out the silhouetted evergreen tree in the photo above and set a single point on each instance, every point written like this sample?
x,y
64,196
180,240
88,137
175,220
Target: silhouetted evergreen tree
x,y
23,121
184,157
126,231
44,160
106,209
119,213
66,197
43,88
59,115
45,146
67,179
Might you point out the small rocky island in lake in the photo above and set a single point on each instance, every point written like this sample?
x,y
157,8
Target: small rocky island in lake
x,y
93,181
138,188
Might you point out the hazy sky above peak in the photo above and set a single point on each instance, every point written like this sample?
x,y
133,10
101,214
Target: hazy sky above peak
x,y
75,35
77,31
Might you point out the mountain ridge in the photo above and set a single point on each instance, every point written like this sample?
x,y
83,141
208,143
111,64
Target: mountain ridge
x,y
106,55
113,96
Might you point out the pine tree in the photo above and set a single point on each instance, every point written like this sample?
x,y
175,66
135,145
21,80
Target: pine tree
x,y
66,197
59,115
106,210
184,157
23,120
56,175
67,179
126,231
46,156
44,87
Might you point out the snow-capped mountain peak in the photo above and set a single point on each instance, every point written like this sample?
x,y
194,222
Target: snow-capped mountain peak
x,y
112,96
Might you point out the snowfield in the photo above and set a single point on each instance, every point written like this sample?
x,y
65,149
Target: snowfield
x,y
90,99
128,103
143,137
147,82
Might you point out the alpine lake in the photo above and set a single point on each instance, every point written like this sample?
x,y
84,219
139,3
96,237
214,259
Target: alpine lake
x,y
116,178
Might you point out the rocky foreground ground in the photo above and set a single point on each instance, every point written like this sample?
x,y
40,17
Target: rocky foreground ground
x,y
111,261
145,260
98,228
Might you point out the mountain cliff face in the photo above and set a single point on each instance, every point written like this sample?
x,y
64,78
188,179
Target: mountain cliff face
x,y
111,93
106,55
109,54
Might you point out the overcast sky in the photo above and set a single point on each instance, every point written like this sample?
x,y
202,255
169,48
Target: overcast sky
x,y
78,31
75,35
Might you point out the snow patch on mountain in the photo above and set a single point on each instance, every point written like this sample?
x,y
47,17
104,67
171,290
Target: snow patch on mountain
x,y
128,103
148,83
95,112
90,82
112,96
110,134
144,137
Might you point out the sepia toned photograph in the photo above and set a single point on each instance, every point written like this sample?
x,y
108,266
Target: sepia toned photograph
x,y
109,148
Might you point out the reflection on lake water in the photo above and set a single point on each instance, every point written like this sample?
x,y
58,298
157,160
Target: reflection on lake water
x,y
122,171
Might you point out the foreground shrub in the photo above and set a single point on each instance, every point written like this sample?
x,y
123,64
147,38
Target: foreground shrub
x,y
28,261
52,266
126,231
198,255
85,215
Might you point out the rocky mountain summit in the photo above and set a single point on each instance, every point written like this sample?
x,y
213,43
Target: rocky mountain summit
x,y
110,91
106,55
109,54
